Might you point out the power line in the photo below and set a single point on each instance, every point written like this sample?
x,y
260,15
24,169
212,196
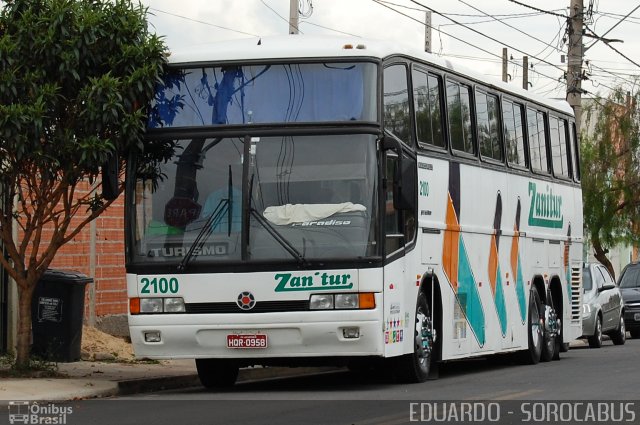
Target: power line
x,y
611,29
484,35
280,16
509,25
548,12
381,3
331,29
202,22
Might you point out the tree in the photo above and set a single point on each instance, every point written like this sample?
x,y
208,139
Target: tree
x,y
74,75
610,173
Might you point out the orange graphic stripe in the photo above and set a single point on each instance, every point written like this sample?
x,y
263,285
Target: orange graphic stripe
x,y
514,253
450,250
493,264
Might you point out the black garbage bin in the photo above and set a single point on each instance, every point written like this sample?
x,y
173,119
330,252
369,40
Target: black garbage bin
x,y
57,311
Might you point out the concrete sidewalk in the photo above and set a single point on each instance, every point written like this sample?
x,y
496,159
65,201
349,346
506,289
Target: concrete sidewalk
x,y
100,379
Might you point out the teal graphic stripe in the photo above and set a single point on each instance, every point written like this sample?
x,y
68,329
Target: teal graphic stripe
x,y
520,295
469,296
501,306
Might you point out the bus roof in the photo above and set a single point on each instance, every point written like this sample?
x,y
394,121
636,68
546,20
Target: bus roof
x,y
309,47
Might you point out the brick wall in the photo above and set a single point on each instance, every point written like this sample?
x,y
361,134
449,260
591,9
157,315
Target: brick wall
x,y
110,289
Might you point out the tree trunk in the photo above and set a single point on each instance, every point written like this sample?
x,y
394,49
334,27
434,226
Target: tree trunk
x,y
23,349
601,256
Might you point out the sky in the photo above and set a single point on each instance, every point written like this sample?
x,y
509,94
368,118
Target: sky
x,y
488,26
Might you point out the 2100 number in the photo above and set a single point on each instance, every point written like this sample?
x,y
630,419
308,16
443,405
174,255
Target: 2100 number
x,y
162,285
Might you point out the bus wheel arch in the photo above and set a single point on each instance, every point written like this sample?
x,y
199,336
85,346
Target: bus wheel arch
x,y
416,366
555,292
434,300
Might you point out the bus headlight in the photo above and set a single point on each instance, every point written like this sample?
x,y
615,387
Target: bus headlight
x,y
151,305
351,301
156,305
321,302
174,305
346,301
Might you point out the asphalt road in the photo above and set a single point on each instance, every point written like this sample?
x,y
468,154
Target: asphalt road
x,y
610,373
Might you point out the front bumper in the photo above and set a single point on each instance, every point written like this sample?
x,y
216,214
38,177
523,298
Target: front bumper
x,y
630,321
182,337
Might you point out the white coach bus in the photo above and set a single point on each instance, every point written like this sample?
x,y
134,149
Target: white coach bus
x,y
338,201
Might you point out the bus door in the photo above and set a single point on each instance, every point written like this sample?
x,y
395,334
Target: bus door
x,y
399,221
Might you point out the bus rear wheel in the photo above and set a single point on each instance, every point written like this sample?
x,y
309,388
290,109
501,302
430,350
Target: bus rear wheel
x,y
217,373
533,352
415,367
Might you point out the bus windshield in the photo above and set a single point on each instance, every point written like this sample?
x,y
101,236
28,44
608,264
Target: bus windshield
x,y
270,93
313,195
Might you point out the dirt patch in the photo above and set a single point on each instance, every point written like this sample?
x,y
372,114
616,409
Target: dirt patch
x,y
98,345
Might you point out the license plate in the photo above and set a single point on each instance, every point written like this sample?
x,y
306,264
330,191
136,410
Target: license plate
x,y
246,341
636,317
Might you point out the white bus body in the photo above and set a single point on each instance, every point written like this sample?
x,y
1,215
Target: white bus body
x,y
475,237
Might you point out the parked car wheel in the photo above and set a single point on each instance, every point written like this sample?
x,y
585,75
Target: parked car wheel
x,y
619,336
595,341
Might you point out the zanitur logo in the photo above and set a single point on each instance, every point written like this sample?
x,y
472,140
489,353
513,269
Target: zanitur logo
x,y
545,209
26,412
316,281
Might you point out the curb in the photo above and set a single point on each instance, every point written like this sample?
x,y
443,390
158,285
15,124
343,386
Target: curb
x,y
146,385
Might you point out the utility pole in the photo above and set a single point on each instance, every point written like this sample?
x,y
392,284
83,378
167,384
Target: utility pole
x,y
293,17
504,64
525,72
574,66
427,32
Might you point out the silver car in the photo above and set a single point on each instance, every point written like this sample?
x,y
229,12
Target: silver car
x,y
602,307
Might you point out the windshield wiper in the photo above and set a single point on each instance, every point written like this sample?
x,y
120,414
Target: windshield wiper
x,y
207,229
297,255
224,205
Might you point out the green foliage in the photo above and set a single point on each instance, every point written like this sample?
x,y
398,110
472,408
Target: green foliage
x,y
75,79
611,171
73,76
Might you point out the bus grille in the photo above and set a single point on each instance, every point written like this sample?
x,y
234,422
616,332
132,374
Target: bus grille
x,y
260,307
576,293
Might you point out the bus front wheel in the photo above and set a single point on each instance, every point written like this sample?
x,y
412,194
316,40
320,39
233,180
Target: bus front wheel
x,y
414,367
216,373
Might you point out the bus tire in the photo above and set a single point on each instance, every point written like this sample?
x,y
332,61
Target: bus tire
x,y
415,367
534,350
217,373
550,346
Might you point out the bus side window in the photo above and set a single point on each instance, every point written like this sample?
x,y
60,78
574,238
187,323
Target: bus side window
x,y
459,114
426,101
397,115
537,140
557,131
514,133
488,125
